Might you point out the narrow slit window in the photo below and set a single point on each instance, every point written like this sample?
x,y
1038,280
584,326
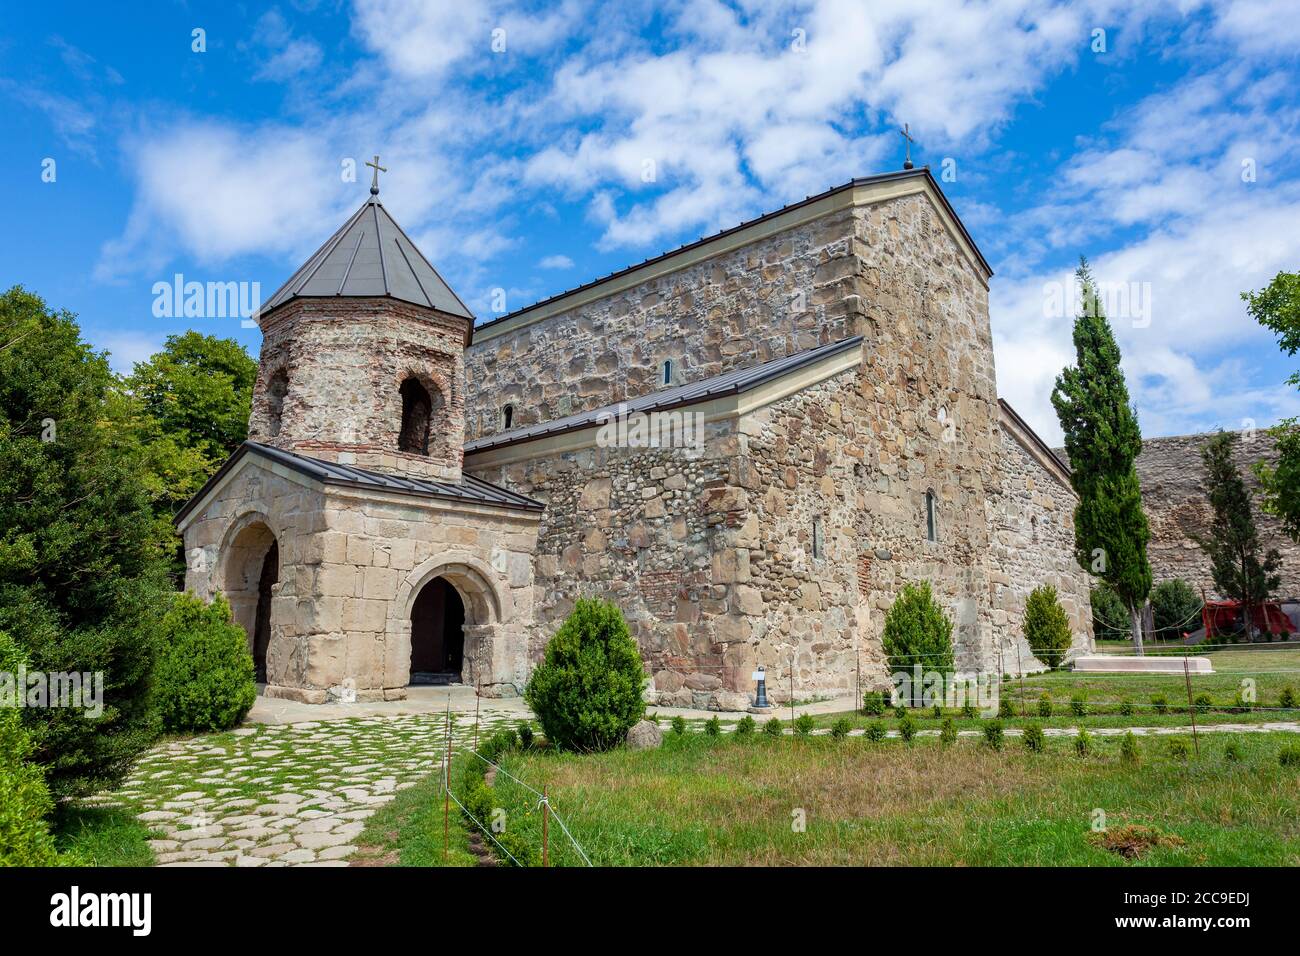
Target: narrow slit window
x,y
417,415
818,539
668,371
507,417
931,529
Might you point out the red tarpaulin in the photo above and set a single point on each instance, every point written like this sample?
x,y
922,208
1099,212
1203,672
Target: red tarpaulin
x,y
1219,616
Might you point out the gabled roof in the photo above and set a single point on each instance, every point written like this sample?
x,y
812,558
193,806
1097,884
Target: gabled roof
x,y
1018,427
469,490
370,256
728,383
921,173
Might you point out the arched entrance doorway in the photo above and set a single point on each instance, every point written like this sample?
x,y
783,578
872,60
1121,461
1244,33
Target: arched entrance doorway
x,y
269,575
252,571
437,634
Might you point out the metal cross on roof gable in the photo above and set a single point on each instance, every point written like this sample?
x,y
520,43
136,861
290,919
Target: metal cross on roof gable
x,y
374,183
906,133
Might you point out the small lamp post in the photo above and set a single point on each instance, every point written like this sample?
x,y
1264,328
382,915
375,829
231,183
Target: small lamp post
x,y
760,697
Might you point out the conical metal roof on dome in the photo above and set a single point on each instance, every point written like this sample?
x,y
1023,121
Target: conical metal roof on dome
x,y
370,256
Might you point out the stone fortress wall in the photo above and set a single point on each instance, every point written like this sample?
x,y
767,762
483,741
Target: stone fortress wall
x,y
1172,476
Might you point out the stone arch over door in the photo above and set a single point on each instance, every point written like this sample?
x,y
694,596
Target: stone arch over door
x,y
488,627
250,578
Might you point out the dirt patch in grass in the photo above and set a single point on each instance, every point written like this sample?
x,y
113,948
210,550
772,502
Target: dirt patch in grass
x,y
1133,840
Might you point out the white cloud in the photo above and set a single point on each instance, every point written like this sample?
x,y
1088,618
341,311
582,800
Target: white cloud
x,y
555,262
126,348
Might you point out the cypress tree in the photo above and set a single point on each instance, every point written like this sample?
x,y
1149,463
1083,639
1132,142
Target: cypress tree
x,y
1102,439
1239,570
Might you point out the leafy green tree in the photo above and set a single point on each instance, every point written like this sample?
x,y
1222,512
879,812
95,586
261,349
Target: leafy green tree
x,y
82,570
917,632
1175,607
1109,615
199,389
1277,307
1102,439
1047,628
586,693
1242,570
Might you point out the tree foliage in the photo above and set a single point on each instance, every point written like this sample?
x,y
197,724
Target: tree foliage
x,y
1103,440
1277,307
1241,568
1175,608
24,798
81,549
1047,628
586,693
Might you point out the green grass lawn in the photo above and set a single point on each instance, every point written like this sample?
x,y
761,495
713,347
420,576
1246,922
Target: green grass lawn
x,y
101,836
409,831
728,801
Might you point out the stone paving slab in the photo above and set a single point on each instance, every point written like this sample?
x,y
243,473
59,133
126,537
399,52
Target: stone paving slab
x,y
274,795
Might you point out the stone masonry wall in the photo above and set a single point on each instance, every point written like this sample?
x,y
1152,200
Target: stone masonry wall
x,y
1172,476
1032,518
863,449
771,298
351,564
345,361
645,528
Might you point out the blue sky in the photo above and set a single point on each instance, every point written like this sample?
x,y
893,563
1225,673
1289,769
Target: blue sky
x,y
534,146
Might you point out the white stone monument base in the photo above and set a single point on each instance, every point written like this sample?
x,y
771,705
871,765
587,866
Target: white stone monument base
x,y
1131,664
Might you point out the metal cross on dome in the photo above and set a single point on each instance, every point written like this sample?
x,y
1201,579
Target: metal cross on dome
x,y
374,183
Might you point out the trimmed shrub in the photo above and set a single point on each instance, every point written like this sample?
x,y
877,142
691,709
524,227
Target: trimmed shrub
x,y
1126,708
1160,704
1240,704
1033,738
1177,749
1289,756
745,726
840,729
1079,705
936,711
1046,626
1203,703
1045,705
713,726
1005,707
993,734
203,680
948,732
24,798
1232,751
874,702
968,711
518,846
876,732
773,727
804,724
1128,750
679,725
907,728
900,712
526,734
1288,700
586,693
1083,743
917,630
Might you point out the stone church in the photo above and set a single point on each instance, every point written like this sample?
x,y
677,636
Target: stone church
x,y
422,499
